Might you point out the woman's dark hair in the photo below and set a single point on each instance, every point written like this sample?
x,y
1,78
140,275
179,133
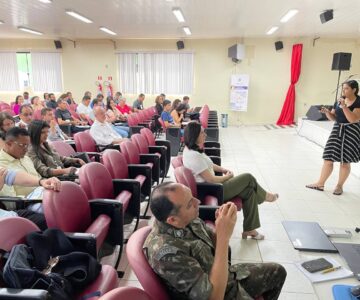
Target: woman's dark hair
x,y
4,116
166,102
108,100
353,84
175,104
33,98
34,130
191,134
180,107
17,99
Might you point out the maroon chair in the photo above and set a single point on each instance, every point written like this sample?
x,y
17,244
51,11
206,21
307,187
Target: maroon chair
x,y
124,293
207,193
177,162
97,182
65,149
71,211
13,231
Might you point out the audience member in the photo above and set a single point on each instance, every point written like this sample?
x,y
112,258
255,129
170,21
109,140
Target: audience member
x,y
6,123
100,98
102,132
123,107
26,98
52,102
46,98
245,185
64,117
166,116
193,261
138,103
84,110
159,104
36,103
88,94
46,160
175,104
117,97
19,100
186,101
113,116
26,113
55,133
70,99
178,114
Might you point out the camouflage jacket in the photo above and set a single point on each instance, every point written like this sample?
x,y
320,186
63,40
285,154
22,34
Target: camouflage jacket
x,y
183,258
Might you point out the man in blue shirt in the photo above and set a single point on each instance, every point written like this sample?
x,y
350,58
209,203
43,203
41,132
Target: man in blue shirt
x,y
167,118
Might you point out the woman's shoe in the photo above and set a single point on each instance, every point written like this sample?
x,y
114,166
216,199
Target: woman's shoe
x,y
338,191
315,187
254,236
271,197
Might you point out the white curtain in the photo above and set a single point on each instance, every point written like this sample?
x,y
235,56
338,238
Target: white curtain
x,y
156,72
46,72
9,75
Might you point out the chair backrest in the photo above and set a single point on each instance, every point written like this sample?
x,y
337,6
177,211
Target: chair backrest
x,y
96,181
13,231
126,292
130,152
64,149
67,209
148,135
37,114
84,142
185,176
177,162
147,277
140,142
131,120
115,162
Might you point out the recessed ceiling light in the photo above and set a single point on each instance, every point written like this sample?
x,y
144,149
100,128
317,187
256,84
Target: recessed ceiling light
x,y
78,16
289,15
30,30
1,22
46,1
107,30
187,30
179,15
272,30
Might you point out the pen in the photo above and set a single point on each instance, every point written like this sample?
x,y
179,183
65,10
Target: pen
x,y
330,270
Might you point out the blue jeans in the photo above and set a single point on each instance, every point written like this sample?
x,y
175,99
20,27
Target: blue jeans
x,y
122,130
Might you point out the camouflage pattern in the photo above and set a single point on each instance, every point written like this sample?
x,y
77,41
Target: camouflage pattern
x,y
183,258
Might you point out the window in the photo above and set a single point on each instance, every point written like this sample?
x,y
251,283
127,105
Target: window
x,y
9,79
156,72
24,68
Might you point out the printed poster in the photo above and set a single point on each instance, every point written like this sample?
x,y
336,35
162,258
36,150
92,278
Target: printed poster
x,y
239,91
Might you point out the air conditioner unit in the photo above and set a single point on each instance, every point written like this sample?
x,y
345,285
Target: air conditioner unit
x,y
237,52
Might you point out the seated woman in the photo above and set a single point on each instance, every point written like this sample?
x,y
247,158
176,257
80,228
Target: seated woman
x,y
6,122
113,115
123,107
36,103
47,161
18,102
245,185
175,104
178,114
159,104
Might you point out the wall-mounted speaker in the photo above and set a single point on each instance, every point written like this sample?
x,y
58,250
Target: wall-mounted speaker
x,y
341,61
326,16
279,45
236,52
180,45
57,44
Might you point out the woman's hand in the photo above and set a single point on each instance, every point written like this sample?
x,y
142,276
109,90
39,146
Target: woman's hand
x,y
324,110
51,183
342,102
229,174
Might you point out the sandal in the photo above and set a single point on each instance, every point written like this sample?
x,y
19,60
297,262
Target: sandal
x,y
271,197
338,191
315,187
255,236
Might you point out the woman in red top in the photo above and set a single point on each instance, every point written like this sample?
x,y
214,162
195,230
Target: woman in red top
x,y
123,108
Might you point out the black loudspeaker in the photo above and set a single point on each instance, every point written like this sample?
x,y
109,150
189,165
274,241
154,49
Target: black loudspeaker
x,y
180,45
314,113
279,45
341,61
326,16
58,44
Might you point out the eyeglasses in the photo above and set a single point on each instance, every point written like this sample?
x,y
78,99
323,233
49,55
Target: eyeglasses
x,y
21,145
27,115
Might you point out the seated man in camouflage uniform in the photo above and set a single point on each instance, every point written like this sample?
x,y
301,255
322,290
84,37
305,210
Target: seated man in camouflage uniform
x,y
193,261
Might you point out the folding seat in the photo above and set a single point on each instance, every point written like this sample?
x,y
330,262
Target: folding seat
x,y
97,182
133,156
71,211
66,149
127,292
143,147
13,231
85,143
133,124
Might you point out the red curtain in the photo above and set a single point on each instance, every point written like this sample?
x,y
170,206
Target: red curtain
x,y
288,110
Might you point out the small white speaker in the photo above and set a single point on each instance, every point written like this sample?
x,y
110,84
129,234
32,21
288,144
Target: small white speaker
x,y
237,52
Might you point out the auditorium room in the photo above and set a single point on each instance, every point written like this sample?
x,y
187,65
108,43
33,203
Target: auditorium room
x,y
178,149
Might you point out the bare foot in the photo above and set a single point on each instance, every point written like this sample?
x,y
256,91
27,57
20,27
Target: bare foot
x,y
271,197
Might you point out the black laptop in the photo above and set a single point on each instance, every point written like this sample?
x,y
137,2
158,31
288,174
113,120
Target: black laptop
x,y
308,236
351,253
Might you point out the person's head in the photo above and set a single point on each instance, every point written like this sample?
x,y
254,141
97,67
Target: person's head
x,y
175,104
159,99
46,96
61,103
174,204
181,108
122,102
26,113
86,100
100,97
350,88
186,99
167,105
6,122
19,99
63,97
141,97
38,132
97,103
47,114
194,136
35,100
110,103
117,96
163,95
17,141
99,114
87,93
26,95
52,97
69,95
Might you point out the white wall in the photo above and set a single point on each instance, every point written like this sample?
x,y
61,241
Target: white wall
x,y
269,71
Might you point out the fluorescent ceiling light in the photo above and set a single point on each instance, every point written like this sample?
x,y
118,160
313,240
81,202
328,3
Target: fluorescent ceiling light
x,y
107,30
179,15
289,15
46,1
30,30
272,30
78,16
187,30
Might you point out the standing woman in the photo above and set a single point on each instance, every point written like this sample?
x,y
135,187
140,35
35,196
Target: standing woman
x,y
18,102
36,103
159,104
343,144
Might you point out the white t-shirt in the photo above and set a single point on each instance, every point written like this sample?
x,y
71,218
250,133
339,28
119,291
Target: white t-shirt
x,y
197,162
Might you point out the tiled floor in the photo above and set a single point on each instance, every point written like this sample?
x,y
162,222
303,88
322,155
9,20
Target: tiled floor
x,y
283,162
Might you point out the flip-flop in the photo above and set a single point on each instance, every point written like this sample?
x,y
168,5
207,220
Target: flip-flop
x,y
258,236
338,191
315,187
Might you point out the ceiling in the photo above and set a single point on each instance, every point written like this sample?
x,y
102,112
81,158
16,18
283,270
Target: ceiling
x,y
154,18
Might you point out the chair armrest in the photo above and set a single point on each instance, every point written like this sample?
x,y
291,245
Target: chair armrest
x,y
133,186
137,169
215,159
207,213
67,177
84,242
157,149
114,210
134,129
66,128
212,145
20,203
146,158
146,125
23,294
212,151
101,148
213,189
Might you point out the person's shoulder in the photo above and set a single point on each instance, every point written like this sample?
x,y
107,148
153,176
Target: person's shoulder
x,y
160,245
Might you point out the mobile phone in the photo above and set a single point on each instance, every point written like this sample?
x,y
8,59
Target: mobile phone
x,y
316,265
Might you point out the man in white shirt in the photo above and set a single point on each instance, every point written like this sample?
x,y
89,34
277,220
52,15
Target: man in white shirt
x,y
102,131
84,110
25,114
